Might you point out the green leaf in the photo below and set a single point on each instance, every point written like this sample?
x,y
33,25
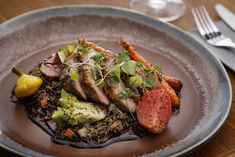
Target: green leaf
x,y
129,68
116,73
71,48
127,93
63,50
100,83
98,57
62,56
97,66
135,81
84,49
123,56
74,76
83,41
157,68
94,71
139,64
149,82
147,69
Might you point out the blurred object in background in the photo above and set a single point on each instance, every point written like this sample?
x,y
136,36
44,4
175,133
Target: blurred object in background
x,y
164,10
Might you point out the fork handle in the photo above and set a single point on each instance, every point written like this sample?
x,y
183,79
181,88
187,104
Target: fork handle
x,y
228,43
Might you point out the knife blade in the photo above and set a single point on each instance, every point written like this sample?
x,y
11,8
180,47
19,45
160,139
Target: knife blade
x,y
227,16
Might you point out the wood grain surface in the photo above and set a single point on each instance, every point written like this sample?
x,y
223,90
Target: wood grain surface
x,y
224,141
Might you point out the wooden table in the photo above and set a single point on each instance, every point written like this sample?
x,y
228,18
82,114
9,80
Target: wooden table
x,y
224,141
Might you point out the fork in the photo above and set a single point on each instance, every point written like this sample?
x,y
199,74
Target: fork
x,y
208,30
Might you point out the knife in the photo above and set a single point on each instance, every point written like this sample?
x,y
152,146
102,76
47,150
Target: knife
x,y
227,16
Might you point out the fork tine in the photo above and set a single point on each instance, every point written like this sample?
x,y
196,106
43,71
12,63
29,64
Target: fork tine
x,y
206,35
199,26
210,22
207,25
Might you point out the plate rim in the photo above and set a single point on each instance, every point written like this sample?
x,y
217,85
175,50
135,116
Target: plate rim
x,y
107,8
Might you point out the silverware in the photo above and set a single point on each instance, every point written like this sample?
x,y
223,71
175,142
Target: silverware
x,y
209,30
227,16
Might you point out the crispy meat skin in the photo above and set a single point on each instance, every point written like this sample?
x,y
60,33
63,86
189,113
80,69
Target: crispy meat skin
x,y
154,110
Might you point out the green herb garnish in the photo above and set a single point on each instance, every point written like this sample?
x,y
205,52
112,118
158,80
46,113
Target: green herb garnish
x,y
84,49
129,68
71,48
115,73
148,70
127,93
62,55
135,81
123,56
158,68
100,83
94,73
63,50
99,57
74,76
139,64
149,82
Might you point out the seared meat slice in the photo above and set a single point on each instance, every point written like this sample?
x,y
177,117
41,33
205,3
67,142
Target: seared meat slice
x,y
92,91
73,86
113,91
51,67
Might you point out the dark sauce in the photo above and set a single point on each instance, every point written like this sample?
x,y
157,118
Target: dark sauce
x,y
133,133
42,118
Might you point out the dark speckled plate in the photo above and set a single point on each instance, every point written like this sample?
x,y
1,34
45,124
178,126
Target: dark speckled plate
x,y
206,95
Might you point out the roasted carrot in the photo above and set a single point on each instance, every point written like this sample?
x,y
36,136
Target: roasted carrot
x,y
69,133
175,101
43,103
94,46
134,55
175,83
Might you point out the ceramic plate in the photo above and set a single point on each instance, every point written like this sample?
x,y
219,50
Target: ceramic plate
x,y
29,38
